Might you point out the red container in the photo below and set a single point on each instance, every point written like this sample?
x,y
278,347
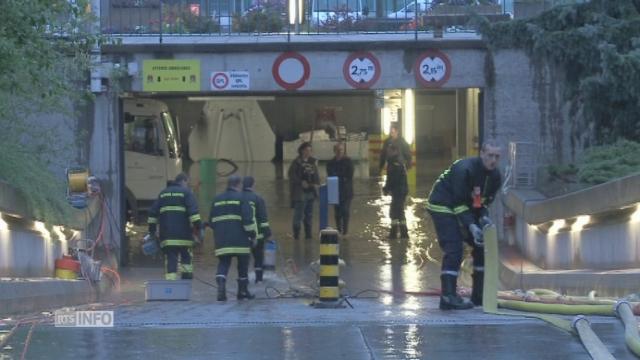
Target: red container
x,y
68,263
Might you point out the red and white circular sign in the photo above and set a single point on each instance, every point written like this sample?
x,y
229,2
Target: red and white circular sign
x,y
433,68
361,70
291,70
219,81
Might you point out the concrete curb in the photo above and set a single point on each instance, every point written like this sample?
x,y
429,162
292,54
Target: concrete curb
x,y
19,296
518,273
613,195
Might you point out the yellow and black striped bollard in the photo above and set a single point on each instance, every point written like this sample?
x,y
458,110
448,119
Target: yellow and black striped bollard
x,y
329,266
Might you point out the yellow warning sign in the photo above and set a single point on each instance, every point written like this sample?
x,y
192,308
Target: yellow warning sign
x,y
171,75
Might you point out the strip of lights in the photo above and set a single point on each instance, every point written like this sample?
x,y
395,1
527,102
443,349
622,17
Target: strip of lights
x,y
3,224
635,217
557,225
39,226
58,230
580,222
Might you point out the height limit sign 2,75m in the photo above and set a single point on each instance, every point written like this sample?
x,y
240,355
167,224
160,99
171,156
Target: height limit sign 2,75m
x,y
361,70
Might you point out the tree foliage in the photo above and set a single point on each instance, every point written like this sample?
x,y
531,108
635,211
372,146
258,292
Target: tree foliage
x,y
45,50
597,44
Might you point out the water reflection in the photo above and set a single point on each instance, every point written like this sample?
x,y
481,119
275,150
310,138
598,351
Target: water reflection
x,y
412,342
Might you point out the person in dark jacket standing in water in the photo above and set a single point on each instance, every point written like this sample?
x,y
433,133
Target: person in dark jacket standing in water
x,y
260,222
458,207
396,185
234,233
404,150
303,184
342,167
176,213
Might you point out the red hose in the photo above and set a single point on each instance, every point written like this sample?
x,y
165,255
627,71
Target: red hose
x,y
109,270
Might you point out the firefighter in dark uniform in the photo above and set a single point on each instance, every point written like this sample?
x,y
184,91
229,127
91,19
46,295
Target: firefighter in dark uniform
x,y
176,213
458,207
260,221
397,186
234,233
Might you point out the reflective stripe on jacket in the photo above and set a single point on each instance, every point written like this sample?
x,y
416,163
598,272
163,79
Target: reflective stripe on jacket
x,y
176,213
232,223
259,213
452,192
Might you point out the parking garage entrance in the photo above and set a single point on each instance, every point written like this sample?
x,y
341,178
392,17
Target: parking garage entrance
x,y
258,135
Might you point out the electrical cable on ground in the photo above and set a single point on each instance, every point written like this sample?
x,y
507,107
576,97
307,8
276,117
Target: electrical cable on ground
x,y
8,336
28,340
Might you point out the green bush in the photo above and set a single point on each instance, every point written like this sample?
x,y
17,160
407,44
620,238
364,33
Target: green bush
x,y
44,193
195,24
603,163
263,19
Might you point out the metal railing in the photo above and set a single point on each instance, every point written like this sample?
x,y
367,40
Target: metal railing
x,y
263,17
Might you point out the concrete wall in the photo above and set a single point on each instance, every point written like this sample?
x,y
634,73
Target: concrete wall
x,y
605,247
24,251
27,253
611,240
106,163
326,71
525,103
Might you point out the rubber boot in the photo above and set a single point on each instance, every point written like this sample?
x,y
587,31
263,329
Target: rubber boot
x,y
307,231
222,288
478,286
258,275
339,225
296,232
243,290
404,232
393,232
186,276
449,300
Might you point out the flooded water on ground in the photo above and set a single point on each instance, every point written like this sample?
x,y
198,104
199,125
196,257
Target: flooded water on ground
x,y
372,260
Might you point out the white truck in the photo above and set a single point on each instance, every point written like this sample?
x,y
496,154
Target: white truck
x,y
152,152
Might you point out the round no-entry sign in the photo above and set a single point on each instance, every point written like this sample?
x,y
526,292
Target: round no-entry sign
x,y
361,70
291,70
433,68
219,80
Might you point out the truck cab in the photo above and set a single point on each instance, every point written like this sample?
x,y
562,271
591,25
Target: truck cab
x,y
151,152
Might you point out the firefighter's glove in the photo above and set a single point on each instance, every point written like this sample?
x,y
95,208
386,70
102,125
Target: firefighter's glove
x,y
476,232
253,242
485,221
199,236
149,238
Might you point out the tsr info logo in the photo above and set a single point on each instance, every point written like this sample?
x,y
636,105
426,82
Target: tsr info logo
x,y
65,318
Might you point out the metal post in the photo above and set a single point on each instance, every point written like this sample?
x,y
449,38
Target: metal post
x,y
324,207
296,17
415,19
161,21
